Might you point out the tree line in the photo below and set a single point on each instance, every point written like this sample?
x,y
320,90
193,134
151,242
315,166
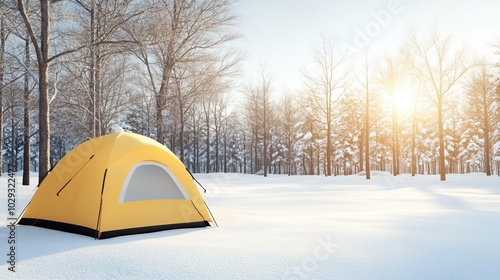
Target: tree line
x,y
168,69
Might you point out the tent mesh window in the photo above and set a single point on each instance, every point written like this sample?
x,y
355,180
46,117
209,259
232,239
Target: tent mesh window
x,y
150,181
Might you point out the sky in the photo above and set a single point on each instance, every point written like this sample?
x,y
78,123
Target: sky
x,y
280,34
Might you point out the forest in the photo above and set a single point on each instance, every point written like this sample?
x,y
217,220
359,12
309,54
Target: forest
x,y
171,70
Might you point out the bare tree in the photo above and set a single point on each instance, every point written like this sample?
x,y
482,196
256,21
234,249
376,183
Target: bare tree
x,y
440,64
481,96
42,53
252,109
100,23
365,82
390,77
327,83
179,31
309,133
27,107
214,104
367,120
265,94
41,44
207,106
288,121
257,108
193,80
218,119
7,17
117,91
414,126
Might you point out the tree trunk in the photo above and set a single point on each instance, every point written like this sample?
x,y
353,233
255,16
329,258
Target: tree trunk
x,y
318,165
13,161
255,152
244,152
160,107
289,154
207,120
44,110
486,128
367,127
304,167
442,168
413,145
328,142
181,124
311,160
311,151
2,73
264,128
217,148
93,105
270,157
98,97
225,149
196,132
181,137
26,130
395,148
97,73
361,144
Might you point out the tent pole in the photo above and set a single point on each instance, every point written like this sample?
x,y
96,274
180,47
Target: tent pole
x,y
98,225
204,190
210,211
74,175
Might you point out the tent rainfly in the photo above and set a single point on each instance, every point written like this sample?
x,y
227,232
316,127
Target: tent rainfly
x,y
117,184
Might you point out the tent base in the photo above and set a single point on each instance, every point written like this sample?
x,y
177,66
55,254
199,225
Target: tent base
x,y
106,234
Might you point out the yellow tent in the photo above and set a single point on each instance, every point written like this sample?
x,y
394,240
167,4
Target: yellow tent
x,y
117,184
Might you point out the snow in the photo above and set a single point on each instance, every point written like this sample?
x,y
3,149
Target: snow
x,y
116,128
496,147
298,227
307,136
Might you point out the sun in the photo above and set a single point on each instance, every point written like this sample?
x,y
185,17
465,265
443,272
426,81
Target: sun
x,y
403,98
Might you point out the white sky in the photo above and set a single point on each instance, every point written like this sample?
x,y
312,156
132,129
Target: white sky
x,y
282,33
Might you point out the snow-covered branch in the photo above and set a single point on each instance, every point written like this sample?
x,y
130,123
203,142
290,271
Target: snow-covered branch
x,y
35,79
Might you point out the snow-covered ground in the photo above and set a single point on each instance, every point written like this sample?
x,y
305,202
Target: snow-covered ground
x,y
299,227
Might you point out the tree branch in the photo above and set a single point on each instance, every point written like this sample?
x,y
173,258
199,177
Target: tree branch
x,y
29,27
35,79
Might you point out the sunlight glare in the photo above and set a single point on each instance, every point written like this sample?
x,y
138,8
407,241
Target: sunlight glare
x,y
403,100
